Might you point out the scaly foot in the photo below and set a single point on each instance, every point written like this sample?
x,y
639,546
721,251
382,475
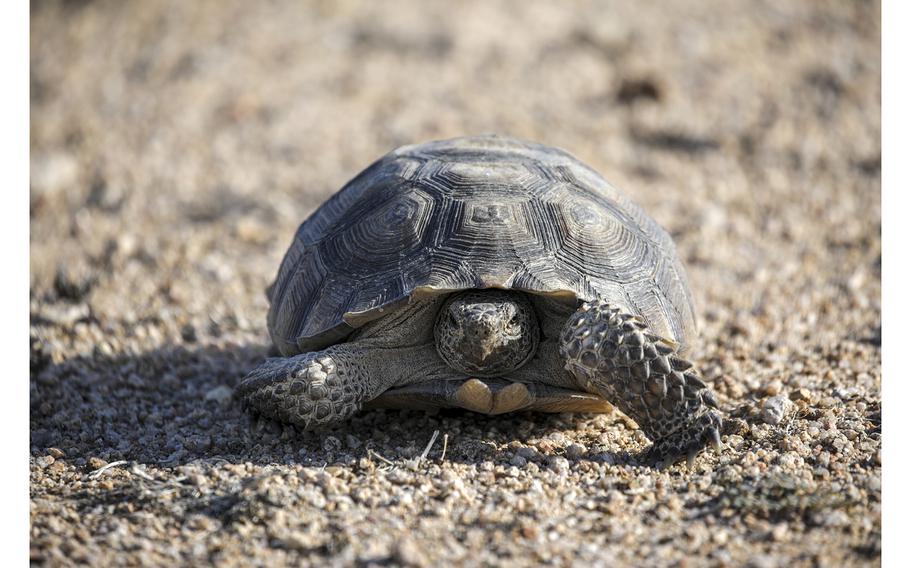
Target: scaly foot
x,y
310,390
613,354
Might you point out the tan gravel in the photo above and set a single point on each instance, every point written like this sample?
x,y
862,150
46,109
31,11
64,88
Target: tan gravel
x,y
175,147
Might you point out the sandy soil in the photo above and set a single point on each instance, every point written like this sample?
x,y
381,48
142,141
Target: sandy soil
x,y
177,146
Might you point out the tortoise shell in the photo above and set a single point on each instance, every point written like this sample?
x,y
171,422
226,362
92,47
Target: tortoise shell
x,y
477,212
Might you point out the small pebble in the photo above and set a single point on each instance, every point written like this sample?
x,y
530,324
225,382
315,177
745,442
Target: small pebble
x,y
604,457
45,461
331,444
774,409
297,541
408,552
773,388
559,464
518,461
528,453
221,394
827,402
801,394
575,451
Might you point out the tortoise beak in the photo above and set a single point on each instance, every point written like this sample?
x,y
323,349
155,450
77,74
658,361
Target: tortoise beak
x,y
486,347
484,333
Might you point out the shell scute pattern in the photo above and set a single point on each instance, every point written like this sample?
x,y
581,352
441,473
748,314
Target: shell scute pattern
x,y
381,231
473,213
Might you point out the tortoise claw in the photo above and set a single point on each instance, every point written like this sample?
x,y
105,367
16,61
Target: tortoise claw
x,y
714,439
688,442
690,458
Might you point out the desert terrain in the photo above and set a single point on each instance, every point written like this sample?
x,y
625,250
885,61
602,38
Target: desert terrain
x,y
177,146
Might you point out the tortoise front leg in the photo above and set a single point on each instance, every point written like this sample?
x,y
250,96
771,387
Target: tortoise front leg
x,y
311,389
613,354
323,387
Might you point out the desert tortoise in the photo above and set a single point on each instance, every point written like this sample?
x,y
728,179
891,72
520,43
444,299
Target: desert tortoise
x,y
489,274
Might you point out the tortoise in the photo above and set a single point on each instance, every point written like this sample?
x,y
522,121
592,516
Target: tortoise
x,y
489,274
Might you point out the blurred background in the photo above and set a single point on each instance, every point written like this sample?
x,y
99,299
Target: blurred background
x,y
211,129
176,146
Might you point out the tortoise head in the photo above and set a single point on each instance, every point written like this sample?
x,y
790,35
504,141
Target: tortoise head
x,y
486,333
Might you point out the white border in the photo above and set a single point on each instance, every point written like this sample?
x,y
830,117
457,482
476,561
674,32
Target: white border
x,y
895,237
14,304
15,289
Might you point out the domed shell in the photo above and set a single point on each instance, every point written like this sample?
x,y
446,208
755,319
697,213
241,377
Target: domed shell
x,y
478,212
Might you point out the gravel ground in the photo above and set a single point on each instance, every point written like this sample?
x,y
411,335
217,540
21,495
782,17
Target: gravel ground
x,y
175,147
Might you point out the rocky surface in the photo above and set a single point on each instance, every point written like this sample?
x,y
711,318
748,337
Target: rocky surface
x,y
175,147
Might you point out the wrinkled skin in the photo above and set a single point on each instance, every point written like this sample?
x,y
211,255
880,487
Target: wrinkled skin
x,y
486,333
